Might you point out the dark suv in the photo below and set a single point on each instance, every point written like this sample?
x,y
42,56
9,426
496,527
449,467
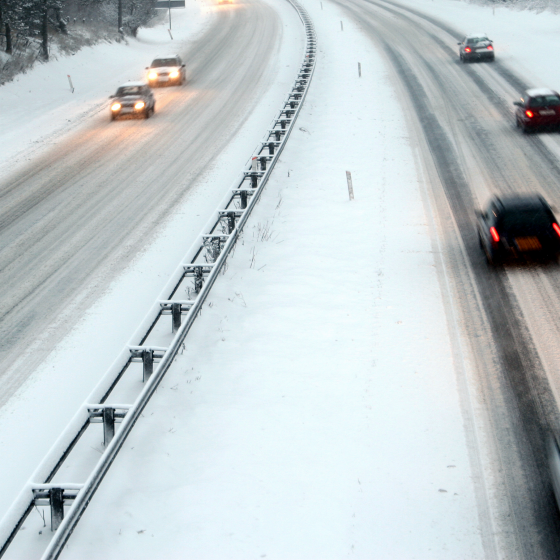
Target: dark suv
x,y
476,46
133,98
538,108
518,226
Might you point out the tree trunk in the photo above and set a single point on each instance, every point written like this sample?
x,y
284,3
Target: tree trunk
x,y
45,31
8,30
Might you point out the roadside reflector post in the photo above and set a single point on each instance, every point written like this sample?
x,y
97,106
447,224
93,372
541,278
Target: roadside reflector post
x,y
70,82
108,425
254,163
175,317
56,497
350,187
148,363
359,69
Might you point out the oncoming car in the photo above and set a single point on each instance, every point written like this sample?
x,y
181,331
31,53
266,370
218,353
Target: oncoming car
x,y
133,98
538,108
166,71
476,46
518,226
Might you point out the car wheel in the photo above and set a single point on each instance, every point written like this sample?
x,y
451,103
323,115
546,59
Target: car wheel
x,y
147,113
113,116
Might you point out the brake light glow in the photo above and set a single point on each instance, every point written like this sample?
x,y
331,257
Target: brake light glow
x,y
556,228
467,49
529,113
490,47
495,235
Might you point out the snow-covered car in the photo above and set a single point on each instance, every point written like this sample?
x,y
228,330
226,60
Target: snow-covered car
x,y
166,71
538,108
518,226
476,46
134,99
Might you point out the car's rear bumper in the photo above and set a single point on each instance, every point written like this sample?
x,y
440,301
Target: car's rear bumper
x,y
485,55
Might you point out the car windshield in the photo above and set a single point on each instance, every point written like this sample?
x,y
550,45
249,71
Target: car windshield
x,y
129,90
544,101
160,62
527,218
475,40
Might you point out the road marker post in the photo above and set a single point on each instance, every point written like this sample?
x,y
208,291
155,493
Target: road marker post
x,y
350,187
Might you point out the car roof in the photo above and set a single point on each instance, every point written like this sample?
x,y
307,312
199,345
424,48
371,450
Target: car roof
x,y
535,92
476,35
167,56
521,201
133,84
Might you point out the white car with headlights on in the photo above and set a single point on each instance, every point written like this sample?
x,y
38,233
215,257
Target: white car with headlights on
x,y
133,99
167,71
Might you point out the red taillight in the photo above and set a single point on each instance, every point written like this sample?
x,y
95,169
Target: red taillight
x,y
467,49
490,47
529,113
495,235
556,228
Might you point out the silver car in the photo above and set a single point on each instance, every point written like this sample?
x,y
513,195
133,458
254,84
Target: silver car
x,y
166,71
476,46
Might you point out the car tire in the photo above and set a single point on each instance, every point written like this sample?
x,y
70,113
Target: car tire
x,y
147,113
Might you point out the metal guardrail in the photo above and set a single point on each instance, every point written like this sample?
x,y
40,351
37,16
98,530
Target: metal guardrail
x,y
201,266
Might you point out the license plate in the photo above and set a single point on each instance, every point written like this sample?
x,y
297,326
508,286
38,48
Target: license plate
x,y
547,112
528,243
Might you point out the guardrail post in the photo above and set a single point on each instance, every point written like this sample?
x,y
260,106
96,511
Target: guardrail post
x,y
175,317
253,181
283,124
277,134
263,163
56,498
271,148
198,280
108,425
243,197
231,221
148,363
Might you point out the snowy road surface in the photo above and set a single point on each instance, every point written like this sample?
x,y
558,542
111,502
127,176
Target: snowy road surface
x,y
360,384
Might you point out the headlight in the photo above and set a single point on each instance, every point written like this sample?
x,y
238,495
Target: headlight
x,y
174,74
152,76
139,105
115,106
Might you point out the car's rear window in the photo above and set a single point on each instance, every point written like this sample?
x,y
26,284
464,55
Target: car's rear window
x,y
129,90
533,218
161,62
544,101
475,40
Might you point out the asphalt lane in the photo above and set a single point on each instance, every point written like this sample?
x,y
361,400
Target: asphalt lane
x,y
75,217
463,117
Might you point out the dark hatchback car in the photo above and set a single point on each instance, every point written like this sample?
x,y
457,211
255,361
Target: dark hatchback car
x,y
518,226
133,99
476,46
538,108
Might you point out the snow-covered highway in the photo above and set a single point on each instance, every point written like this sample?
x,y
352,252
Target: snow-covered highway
x,y
360,384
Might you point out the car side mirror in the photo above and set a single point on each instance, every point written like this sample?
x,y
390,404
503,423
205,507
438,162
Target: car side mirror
x,y
147,67
459,43
518,103
182,65
478,213
111,96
